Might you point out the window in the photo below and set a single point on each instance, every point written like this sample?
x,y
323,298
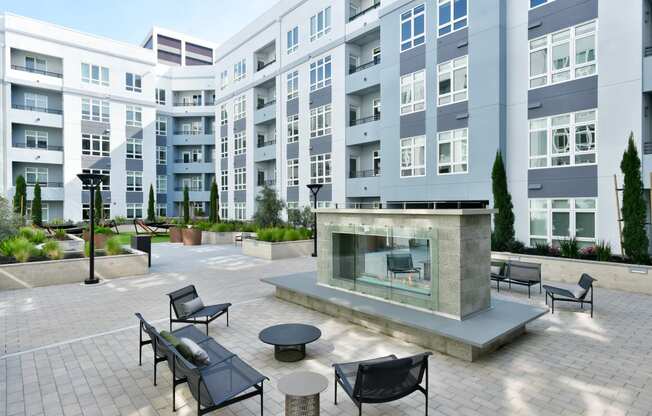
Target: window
x,y
133,82
161,210
240,107
224,115
36,64
34,175
224,147
563,56
239,70
293,172
161,155
161,126
537,3
240,143
453,151
134,148
160,96
240,179
95,145
563,140
134,211
413,156
452,16
86,208
324,204
45,211
224,79
106,179
553,220
35,139
134,116
95,74
240,211
161,184
320,73
320,121
293,128
196,183
224,180
320,24
413,27
453,81
96,110
224,211
293,85
293,40
413,92
36,101
292,205
134,180
320,168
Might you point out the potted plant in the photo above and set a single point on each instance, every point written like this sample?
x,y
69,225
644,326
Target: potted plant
x,y
101,235
191,236
175,233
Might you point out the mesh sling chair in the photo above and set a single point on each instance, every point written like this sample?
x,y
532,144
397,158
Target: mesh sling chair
x,y
383,379
558,294
401,263
523,274
203,316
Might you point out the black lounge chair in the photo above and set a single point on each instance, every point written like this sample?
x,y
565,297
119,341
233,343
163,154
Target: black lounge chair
x,y
401,263
498,272
383,379
203,316
558,294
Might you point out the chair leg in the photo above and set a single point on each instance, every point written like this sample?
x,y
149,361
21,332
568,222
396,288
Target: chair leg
x,y
546,298
552,299
335,401
155,369
261,398
360,409
227,317
206,326
528,291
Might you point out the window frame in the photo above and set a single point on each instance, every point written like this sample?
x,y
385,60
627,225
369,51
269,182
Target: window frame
x,y
409,143
161,184
137,116
39,137
224,147
292,79
240,143
324,114
159,95
103,74
240,179
451,71
412,105
161,151
224,180
572,211
240,107
293,172
133,148
104,185
40,174
136,82
292,40
136,177
453,20
321,168
136,210
103,110
240,70
315,32
161,126
409,16
102,140
454,161
321,66
292,124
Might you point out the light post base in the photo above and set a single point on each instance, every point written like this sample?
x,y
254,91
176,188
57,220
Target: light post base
x,y
313,255
91,281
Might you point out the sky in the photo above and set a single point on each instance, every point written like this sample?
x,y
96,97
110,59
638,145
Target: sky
x,y
130,21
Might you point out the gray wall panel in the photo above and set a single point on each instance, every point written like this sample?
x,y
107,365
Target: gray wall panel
x,y
293,150
224,163
413,124
321,97
239,161
413,60
560,15
321,145
292,107
239,125
224,197
134,164
161,198
453,46
326,193
239,196
161,140
134,197
95,162
161,169
86,197
224,130
562,98
454,116
136,132
94,127
292,193
566,182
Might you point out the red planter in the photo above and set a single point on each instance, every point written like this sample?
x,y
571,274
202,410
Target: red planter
x,y
191,236
175,235
100,239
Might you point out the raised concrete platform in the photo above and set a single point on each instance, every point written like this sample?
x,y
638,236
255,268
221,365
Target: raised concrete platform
x,y
466,339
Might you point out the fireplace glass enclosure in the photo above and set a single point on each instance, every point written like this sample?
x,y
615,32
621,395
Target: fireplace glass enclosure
x,y
394,263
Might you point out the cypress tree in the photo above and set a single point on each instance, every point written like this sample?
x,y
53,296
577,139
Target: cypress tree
x,y
186,205
99,207
37,215
20,197
504,218
151,213
635,241
212,214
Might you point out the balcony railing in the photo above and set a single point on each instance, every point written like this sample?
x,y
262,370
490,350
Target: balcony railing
x,y
370,173
365,11
37,109
191,161
267,182
263,65
48,147
190,189
364,120
647,148
263,143
47,184
648,51
187,104
354,69
265,104
189,132
37,71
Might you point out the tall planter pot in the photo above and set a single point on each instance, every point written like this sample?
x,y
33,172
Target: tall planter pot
x,y
175,235
99,239
191,236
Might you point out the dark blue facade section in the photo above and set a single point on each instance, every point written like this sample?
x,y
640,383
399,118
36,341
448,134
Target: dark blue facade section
x,y
566,97
320,97
453,46
413,60
413,124
453,116
566,182
292,193
321,145
293,107
293,150
559,15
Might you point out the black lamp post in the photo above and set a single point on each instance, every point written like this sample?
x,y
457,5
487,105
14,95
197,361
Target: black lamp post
x,y
314,189
93,181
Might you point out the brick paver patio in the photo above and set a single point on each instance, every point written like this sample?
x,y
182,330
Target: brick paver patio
x,y
72,350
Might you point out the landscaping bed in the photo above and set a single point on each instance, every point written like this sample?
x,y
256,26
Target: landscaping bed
x,y
279,243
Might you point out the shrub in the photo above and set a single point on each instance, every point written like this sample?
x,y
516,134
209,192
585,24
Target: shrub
x,y
213,215
247,228
103,230
541,248
275,235
223,227
37,207
268,213
300,218
52,250
119,220
515,246
60,234
504,218
291,234
31,234
603,251
635,240
21,249
569,248
20,196
113,246
186,205
203,225
151,212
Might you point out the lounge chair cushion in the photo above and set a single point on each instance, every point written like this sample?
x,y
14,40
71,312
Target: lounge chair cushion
x,y
192,306
198,355
578,291
496,270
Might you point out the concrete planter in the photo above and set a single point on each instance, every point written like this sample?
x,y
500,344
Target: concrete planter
x,y
627,277
57,272
276,251
191,236
175,235
211,237
73,244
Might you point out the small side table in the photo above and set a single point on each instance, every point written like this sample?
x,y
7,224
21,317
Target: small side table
x,y
301,391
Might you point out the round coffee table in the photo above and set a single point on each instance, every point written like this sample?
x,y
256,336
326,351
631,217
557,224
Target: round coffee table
x,y
289,340
301,391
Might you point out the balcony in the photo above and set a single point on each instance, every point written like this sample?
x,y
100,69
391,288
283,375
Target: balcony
x,y
265,57
185,166
263,65
37,71
369,173
363,16
20,152
36,116
365,120
48,147
266,182
265,112
361,184
195,194
365,11
265,104
37,109
193,137
372,63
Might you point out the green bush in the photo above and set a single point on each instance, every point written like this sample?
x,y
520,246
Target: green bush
x,y
21,249
34,235
119,220
52,250
603,251
113,246
60,234
103,230
569,248
541,248
203,225
276,234
223,227
291,235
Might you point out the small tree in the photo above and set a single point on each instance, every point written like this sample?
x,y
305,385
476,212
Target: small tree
x,y
151,213
635,241
213,216
186,205
99,207
20,197
504,218
37,215
269,208
9,222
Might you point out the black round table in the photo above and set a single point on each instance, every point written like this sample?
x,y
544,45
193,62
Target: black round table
x,y
289,340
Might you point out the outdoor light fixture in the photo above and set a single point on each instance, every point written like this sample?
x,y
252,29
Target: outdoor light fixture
x,y
93,181
314,189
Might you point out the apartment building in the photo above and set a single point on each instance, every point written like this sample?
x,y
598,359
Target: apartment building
x,y
395,103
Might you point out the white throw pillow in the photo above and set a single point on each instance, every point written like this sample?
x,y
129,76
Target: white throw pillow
x,y
192,306
199,355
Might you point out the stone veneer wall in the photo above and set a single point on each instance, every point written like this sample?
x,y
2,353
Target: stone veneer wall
x,y
463,250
